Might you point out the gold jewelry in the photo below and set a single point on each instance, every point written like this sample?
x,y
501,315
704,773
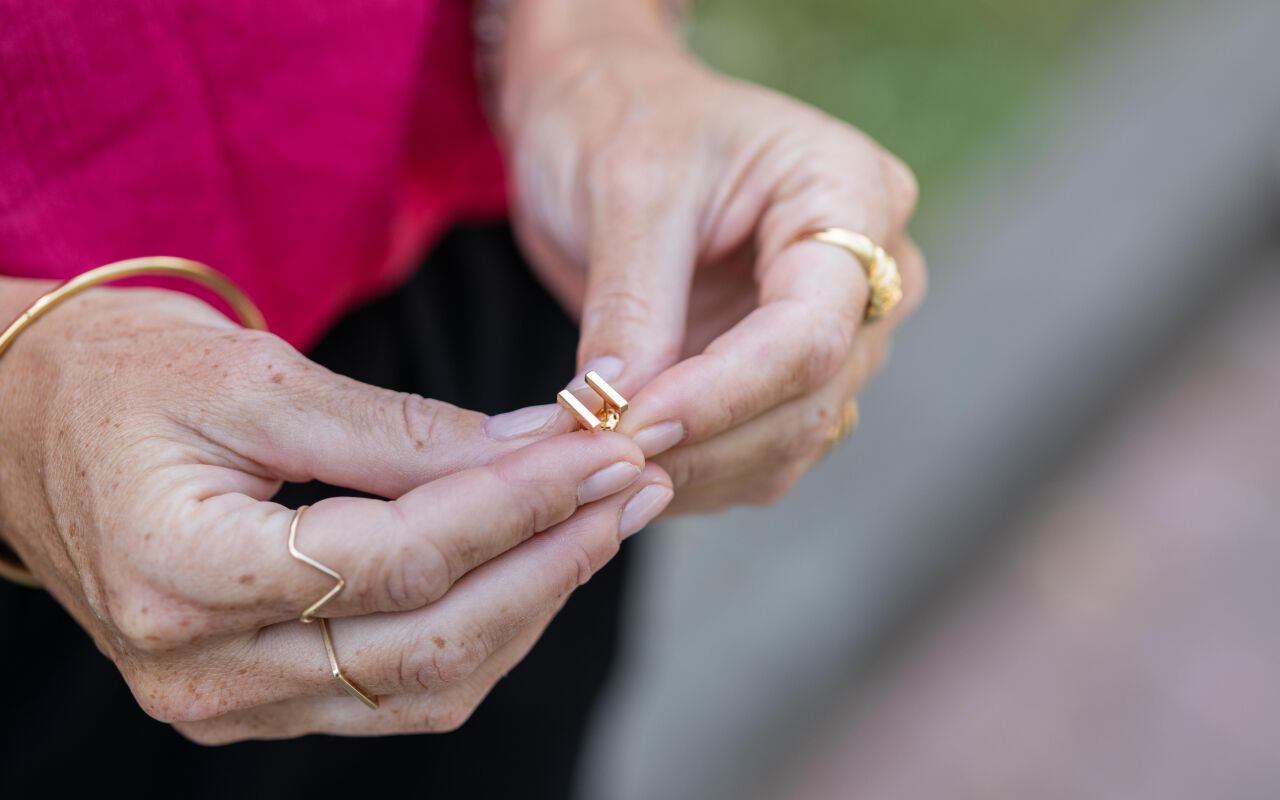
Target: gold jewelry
x,y
168,266
844,426
882,270
310,614
608,417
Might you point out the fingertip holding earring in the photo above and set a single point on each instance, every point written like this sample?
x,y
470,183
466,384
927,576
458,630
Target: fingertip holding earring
x,y
610,414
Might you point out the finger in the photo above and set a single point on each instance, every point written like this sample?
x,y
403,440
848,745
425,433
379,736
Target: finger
x,y
394,555
797,431
813,296
436,712
758,489
443,643
641,254
760,458
308,423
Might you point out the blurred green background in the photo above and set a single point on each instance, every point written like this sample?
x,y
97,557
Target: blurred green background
x,y
935,81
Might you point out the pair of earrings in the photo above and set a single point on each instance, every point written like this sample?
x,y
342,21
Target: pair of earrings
x,y
608,417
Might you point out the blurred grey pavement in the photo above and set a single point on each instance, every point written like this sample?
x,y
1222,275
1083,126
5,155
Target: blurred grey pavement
x,y
1124,646
1071,268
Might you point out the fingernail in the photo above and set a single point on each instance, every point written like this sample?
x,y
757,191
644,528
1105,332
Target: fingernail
x,y
658,438
641,509
610,480
521,422
608,367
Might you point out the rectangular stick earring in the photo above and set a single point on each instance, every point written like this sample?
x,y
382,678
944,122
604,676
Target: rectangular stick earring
x,y
610,414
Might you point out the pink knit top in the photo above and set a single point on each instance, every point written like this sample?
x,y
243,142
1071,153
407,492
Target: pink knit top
x,y
309,149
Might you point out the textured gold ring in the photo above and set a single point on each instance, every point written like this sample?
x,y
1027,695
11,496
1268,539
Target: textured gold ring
x,y
881,269
310,614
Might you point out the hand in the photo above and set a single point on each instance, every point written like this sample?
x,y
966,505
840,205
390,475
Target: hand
x,y
658,200
144,435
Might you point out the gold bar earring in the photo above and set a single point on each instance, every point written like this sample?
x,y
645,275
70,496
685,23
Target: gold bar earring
x,y
610,414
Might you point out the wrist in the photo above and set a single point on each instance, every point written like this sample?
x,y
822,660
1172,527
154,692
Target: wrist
x,y
16,296
522,45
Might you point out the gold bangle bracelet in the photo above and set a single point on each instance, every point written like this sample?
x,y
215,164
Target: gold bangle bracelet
x,y
148,266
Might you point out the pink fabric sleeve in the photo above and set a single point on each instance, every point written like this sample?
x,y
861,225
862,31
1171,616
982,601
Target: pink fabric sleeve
x,y
309,149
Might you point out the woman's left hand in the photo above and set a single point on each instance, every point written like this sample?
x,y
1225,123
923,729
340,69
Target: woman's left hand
x,y
659,202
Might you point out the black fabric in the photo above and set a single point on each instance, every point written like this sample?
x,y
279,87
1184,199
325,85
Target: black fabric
x,y
474,328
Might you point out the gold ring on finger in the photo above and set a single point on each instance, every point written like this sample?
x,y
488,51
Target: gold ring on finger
x,y
309,615
883,280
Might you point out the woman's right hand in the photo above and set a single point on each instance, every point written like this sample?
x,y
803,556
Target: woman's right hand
x,y
144,435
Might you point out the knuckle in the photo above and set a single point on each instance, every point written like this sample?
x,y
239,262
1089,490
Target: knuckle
x,y
197,733
170,700
452,716
583,566
260,353
915,280
148,624
414,574
902,186
810,440
152,696
802,437
427,671
441,660
730,409
913,296
684,466
418,576
618,306
209,735
876,358
773,491
421,419
582,563
630,176
862,360
826,353
534,504
248,358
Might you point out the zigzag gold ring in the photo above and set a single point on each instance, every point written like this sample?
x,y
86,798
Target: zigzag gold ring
x,y
883,277
351,687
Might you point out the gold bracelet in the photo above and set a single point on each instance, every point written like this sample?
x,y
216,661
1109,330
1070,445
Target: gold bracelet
x,y
167,266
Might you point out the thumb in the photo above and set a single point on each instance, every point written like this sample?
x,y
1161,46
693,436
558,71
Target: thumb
x,y
318,425
641,259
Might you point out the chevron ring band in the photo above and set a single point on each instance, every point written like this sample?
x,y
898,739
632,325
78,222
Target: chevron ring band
x,y
309,615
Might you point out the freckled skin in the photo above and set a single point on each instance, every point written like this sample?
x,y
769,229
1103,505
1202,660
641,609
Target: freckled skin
x,y
161,542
